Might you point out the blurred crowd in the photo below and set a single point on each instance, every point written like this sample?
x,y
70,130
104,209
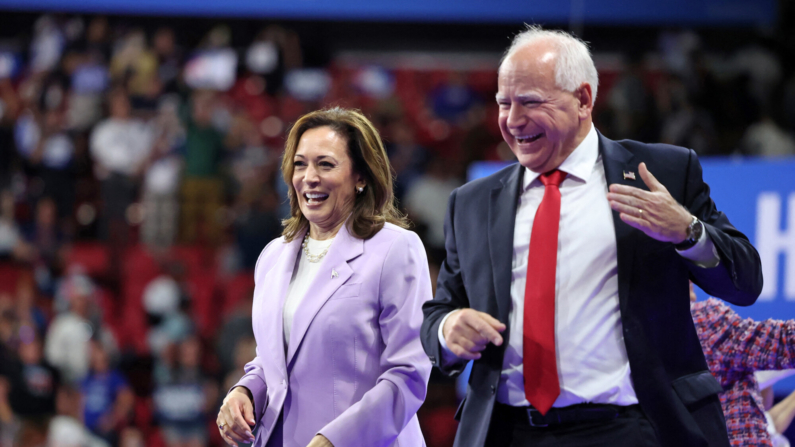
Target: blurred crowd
x,y
139,180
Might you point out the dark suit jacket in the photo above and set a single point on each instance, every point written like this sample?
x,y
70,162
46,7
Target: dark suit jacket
x,y
669,373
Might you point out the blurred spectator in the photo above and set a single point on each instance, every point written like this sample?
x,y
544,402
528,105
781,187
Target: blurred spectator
x,y
274,51
453,99
630,102
69,335
131,437
120,146
133,65
12,244
686,125
165,300
89,77
31,386
47,44
243,352
9,425
236,327
202,187
183,397
46,241
9,111
107,398
48,151
25,306
97,39
765,138
426,197
67,429
763,69
257,222
169,57
406,156
161,180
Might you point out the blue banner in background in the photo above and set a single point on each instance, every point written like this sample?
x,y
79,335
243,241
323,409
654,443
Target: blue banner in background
x,y
629,12
758,196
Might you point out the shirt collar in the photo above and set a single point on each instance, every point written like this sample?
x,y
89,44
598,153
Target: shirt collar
x,y
578,164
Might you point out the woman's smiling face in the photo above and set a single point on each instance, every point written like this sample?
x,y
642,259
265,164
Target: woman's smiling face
x,y
324,180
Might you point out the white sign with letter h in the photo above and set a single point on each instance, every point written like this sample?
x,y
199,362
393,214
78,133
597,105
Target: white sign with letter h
x,y
772,241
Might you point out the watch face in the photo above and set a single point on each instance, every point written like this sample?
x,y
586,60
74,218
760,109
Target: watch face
x,y
698,230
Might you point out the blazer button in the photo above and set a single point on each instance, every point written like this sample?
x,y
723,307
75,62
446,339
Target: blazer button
x,y
493,389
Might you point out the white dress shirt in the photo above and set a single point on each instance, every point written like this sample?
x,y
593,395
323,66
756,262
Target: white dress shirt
x,y
121,146
591,356
303,275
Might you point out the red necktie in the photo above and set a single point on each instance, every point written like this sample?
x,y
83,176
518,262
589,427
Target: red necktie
x,y
541,386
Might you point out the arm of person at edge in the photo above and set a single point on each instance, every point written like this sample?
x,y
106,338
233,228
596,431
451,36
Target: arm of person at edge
x,y
452,333
737,277
744,344
783,413
387,408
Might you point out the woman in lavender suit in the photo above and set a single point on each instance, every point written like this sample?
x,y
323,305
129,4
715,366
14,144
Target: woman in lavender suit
x,y
337,305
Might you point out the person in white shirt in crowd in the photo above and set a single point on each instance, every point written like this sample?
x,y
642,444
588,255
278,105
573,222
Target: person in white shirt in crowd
x,y
120,147
66,344
162,176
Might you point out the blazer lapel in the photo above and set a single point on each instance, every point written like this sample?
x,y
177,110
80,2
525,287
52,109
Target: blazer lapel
x,y
278,281
502,219
617,160
345,248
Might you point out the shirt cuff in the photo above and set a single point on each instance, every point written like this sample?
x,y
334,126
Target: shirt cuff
x,y
703,254
448,358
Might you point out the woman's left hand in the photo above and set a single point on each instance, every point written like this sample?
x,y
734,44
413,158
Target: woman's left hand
x,y
320,441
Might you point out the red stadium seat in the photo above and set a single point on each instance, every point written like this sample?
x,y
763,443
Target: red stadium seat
x,y
93,257
9,275
236,289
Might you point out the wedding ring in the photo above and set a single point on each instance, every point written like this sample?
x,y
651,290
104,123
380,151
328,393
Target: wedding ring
x,y
640,212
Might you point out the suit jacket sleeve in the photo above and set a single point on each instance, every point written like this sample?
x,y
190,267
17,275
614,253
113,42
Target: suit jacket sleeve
x,y
254,380
738,277
742,344
382,413
254,377
450,294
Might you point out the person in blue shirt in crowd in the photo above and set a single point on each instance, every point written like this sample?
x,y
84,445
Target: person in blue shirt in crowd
x,y
107,397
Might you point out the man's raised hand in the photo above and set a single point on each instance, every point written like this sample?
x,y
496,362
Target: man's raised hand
x,y
467,332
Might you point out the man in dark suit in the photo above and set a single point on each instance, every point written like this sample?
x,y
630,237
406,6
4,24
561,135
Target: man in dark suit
x,y
566,278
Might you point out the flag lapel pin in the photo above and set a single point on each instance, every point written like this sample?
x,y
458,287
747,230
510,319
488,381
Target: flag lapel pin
x,y
629,175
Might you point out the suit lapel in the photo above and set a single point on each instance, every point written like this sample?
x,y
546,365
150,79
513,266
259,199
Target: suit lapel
x,y
617,160
271,310
344,248
502,219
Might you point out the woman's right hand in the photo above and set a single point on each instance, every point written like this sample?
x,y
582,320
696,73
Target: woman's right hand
x,y
236,416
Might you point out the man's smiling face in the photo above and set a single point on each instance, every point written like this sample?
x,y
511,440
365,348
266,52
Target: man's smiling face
x,y
541,122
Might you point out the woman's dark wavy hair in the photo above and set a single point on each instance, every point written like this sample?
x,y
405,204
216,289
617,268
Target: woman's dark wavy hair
x,y
372,208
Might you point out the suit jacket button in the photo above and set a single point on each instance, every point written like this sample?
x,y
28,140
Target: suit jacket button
x,y
493,389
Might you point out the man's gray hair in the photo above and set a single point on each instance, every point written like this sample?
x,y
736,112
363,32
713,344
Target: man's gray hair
x,y
574,64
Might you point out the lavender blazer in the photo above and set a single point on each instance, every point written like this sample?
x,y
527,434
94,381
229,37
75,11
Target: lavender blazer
x,y
355,370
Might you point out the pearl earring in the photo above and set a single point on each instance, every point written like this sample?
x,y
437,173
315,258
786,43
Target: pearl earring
x,y
361,189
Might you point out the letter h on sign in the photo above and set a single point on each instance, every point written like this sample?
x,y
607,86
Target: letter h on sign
x,y
771,241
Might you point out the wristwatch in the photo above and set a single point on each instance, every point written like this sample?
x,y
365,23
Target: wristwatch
x,y
694,232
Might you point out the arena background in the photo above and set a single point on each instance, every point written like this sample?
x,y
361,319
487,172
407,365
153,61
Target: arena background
x,y
162,285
